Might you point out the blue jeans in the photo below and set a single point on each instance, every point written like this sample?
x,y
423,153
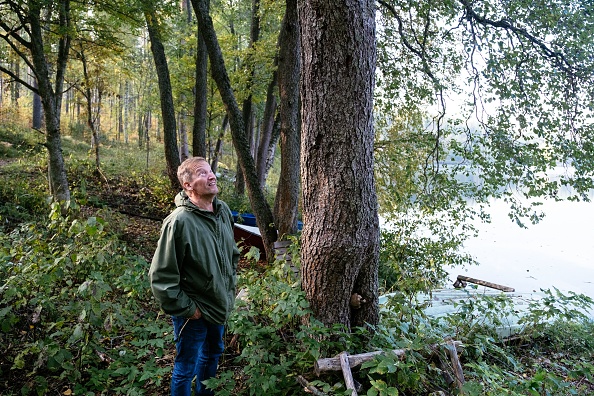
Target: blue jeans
x,y
199,347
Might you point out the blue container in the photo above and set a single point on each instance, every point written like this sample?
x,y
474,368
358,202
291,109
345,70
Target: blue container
x,y
299,225
234,214
247,219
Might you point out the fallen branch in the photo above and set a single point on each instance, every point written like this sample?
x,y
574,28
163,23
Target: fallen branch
x,y
308,387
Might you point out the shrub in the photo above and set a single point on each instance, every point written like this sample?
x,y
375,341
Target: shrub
x,y
73,311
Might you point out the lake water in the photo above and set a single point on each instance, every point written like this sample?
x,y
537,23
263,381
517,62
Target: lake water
x,y
557,252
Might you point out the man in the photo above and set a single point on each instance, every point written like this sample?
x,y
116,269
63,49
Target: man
x,y
192,275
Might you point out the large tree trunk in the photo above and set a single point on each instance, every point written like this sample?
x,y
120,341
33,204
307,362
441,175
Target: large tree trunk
x,y
287,193
260,207
199,129
166,96
340,240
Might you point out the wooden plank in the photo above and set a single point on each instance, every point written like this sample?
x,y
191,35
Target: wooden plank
x,y
462,278
346,372
281,253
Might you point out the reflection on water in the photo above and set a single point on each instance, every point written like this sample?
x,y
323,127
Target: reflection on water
x,y
559,251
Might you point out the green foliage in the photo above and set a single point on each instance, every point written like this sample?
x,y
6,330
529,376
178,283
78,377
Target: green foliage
x,y
22,181
16,140
279,338
549,361
76,313
423,206
73,310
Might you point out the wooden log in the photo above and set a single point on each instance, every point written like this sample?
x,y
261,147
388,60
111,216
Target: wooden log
x,y
333,364
452,352
462,278
346,372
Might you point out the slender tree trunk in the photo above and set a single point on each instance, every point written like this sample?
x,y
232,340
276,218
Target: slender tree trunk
x,y
16,86
287,193
96,129
51,99
215,158
260,207
200,102
183,137
90,114
267,129
167,108
37,108
120,112
248,112
274,137
340,240
126,110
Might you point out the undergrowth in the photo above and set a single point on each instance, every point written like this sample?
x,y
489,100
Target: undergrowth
x,y
77,316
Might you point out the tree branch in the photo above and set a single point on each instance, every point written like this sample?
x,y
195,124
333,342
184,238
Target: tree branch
x,y
18,79
559,59
421,53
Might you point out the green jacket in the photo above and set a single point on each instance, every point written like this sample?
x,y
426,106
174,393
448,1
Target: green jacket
x,y
195,263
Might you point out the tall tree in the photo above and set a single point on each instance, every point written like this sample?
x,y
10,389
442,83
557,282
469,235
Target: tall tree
x,y
200,95
287,193
340,240
23,29
247,107
266,134
93,106
166,95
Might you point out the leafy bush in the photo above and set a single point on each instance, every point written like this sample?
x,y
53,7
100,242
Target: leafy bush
x,y
73,311
278,338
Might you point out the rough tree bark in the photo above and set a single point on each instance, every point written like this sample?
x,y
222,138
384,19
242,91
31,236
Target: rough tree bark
x,y
287,193
340,240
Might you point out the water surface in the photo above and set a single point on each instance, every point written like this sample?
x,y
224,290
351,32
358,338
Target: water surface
x,y
557,252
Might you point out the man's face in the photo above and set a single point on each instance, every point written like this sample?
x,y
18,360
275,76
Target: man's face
x,y
204,181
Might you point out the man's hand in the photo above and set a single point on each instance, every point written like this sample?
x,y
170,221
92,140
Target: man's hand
x,y
197,314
